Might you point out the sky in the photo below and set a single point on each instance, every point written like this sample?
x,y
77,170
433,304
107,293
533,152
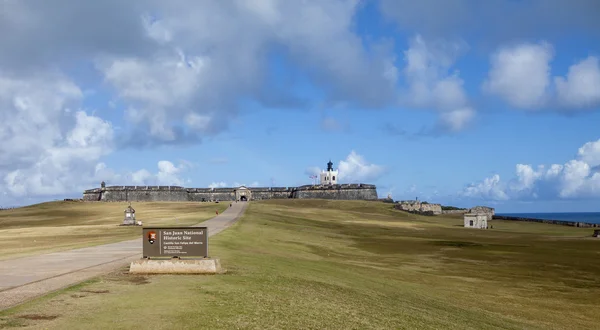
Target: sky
x,y
459,102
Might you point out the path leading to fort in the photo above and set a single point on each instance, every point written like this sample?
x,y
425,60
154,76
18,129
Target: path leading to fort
x,y
23,279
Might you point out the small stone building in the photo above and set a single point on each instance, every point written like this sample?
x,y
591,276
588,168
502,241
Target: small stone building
x,y
473,220
488,211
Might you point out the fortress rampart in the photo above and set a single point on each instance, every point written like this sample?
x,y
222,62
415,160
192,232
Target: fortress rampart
x,y
180,194
419,207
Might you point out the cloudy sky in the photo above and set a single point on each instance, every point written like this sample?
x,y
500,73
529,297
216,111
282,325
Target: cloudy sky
x,y
462,102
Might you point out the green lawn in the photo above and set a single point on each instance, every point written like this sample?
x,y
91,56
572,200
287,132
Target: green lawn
x,y
310,264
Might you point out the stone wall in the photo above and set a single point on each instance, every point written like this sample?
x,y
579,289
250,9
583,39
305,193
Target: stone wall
x,y
554,222
357,191
419,207
137,194
176,193
463,211
271,193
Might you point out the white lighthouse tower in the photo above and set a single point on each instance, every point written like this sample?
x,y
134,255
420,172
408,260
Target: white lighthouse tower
x,y
329,177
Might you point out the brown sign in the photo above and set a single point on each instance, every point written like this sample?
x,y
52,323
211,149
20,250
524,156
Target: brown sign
x,y
175,242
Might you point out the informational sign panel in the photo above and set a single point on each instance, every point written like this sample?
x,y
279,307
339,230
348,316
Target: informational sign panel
x,y
171,242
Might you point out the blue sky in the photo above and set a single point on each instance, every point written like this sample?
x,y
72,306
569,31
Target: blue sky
x,y
458,102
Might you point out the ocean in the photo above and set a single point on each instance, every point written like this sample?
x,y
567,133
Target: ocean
x,y
589,217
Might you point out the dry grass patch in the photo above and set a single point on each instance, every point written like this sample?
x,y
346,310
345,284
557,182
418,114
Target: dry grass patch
x,y
59,226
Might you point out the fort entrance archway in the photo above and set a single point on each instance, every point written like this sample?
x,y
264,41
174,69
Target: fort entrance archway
x,y
243,194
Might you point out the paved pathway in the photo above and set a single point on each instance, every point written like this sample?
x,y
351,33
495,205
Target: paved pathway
x,y
25,278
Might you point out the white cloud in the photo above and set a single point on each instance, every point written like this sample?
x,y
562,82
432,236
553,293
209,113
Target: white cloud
x,y
354,169
581,87
489,189
142,177
590,153
520,74
49,147
180,66
575,179
168,174
432,85
458,119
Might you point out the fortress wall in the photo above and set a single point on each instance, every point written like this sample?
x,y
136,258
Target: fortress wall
x,y
224,195
260,195
180,194
280,194
145,195
435,208
199,190
91,196
200,196
339,193
268,194
259,189
455,211
418,206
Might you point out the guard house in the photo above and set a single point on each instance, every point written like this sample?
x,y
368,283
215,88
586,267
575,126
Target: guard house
x,y
596,233
129,216
476,220
329,177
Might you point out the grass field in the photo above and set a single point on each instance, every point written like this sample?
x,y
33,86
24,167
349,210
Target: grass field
x,y
56,226
309,264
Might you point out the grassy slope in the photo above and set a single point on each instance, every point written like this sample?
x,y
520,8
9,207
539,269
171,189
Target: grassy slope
x,y
56,226
352,265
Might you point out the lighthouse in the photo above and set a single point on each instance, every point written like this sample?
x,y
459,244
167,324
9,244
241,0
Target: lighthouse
x,y
330,176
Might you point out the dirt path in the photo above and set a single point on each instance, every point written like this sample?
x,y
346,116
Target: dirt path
x,y
26,278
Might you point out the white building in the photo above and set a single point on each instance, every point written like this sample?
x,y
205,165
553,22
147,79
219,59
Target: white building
x,y
330,176
473,220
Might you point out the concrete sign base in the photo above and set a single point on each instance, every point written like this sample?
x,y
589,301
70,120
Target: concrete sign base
x,y
176,266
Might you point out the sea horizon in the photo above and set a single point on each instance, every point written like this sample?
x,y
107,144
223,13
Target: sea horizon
x,y
589,217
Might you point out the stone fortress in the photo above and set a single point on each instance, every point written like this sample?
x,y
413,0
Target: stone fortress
x,y
328,188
